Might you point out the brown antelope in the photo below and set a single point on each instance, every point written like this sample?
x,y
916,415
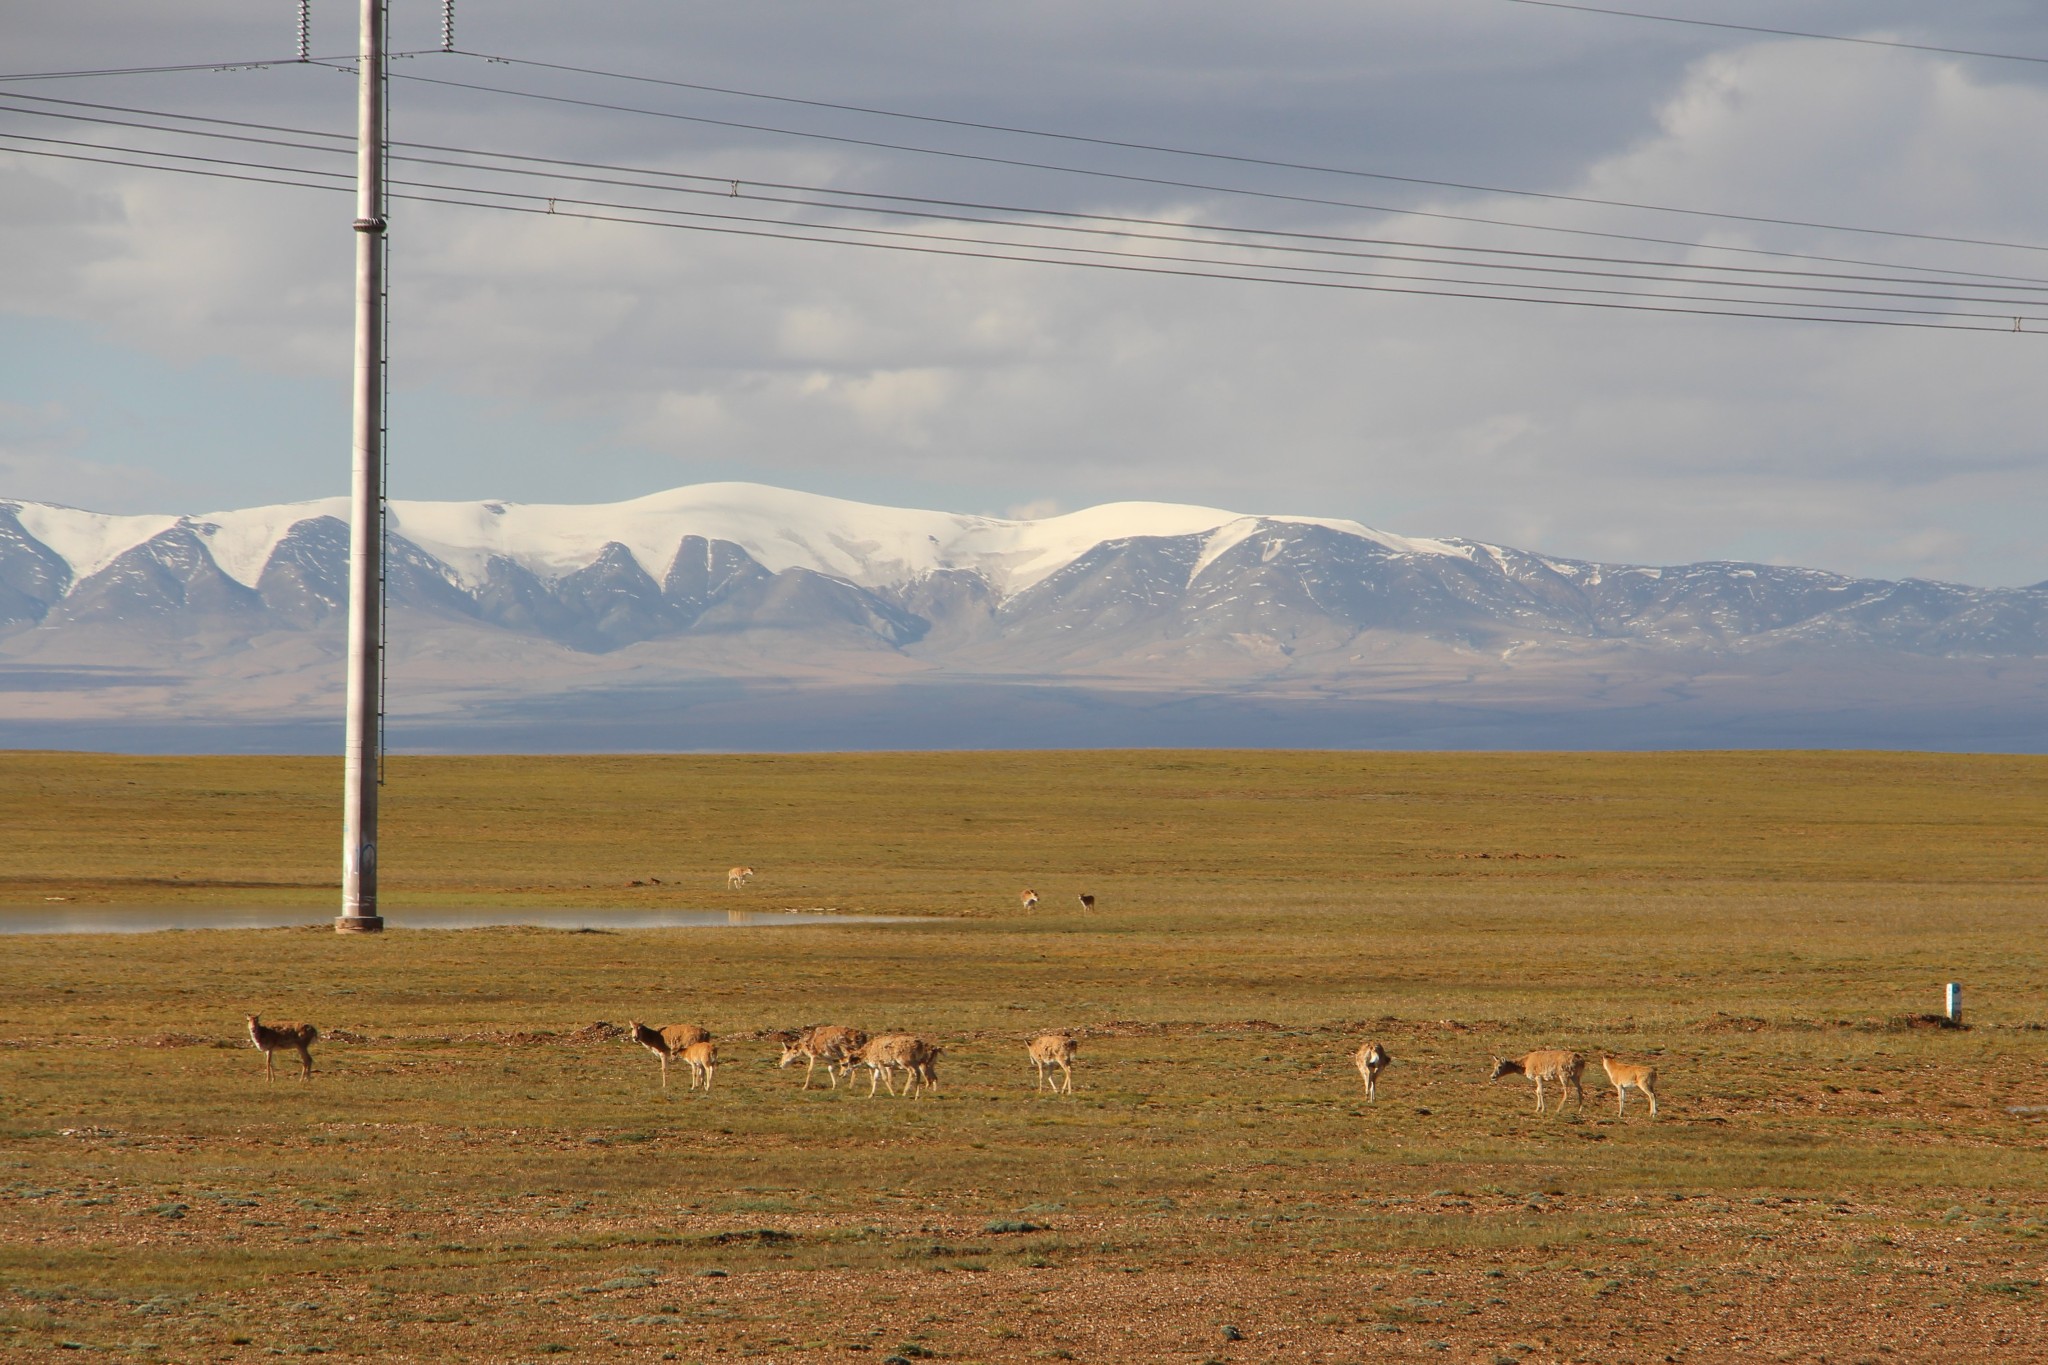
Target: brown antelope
x,y
833,1044
917,1058
1028,899
1621,1075
1547,1064
737,877
1049,1050
274,1038
1087,901
702,1059
1371,1059
670,1041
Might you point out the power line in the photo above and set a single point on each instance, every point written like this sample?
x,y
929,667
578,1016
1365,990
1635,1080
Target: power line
x,y
1255,279
1769,253
1164,265
1259,265
1134,233
1721,215
1147,147
1781,32
1130,227
1273,241
179,170
1058,252
262,65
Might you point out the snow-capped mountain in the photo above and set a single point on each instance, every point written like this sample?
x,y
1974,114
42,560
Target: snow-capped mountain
x,y
1094,583
777,529
240,611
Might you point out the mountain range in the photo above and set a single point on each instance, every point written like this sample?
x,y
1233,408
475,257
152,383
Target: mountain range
x,y
677,608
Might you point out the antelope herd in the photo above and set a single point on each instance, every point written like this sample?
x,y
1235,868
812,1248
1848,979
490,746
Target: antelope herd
x,y
844,1051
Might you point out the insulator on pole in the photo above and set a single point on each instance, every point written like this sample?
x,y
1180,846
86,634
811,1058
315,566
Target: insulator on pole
x,y
447,25
305,30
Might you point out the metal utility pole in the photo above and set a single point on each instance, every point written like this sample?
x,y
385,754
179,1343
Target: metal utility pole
x,y
363,742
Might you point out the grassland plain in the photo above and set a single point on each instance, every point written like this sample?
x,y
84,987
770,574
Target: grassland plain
x,y
478,1171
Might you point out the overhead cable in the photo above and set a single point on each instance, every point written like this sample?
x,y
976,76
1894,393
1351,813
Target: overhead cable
x,y
1435,216
1781,32
1153,264
1277,241
261,65
1720,215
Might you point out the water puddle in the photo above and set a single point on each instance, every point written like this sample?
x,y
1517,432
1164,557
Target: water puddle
x,y
101,919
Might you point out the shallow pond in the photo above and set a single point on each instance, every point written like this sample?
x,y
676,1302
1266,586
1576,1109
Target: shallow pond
x,y
102,919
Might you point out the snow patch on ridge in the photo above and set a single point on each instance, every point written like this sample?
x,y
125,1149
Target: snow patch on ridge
x,y
88,541
243,542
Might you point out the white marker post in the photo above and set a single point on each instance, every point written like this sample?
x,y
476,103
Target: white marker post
x,y
1955,1002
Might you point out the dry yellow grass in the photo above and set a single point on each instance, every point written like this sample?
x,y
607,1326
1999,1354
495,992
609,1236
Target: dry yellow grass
x,y
473,1172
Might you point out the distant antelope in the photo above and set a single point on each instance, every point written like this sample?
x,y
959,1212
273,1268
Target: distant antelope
x,y
275,1038
1546,1064
737,877
1028,899
1049,1050
1621,1075
1371,1059
703,1060
833,1044
1087,901
670,1041
917,1058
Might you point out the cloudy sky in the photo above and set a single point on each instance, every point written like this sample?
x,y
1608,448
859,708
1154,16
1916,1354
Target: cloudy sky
x,y
172,342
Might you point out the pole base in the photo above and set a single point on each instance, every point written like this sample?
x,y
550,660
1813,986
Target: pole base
x,y
359,924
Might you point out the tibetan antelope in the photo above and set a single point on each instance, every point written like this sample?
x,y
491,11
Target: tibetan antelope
x,y
702,1059
274,1038
1049,1050
1547,1064
917,1058
1028,899
835,1045
1371,1059
737,877
670,1041
1087,901
1621,1075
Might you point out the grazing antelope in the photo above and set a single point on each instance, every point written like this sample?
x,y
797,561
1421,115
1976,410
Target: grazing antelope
x,y
703,1060
1087,901
1028,899
274,1038
1049,1050
1546,1064
670,1041
833,1044
917,1058
1621,1075
1371,1059
737,877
